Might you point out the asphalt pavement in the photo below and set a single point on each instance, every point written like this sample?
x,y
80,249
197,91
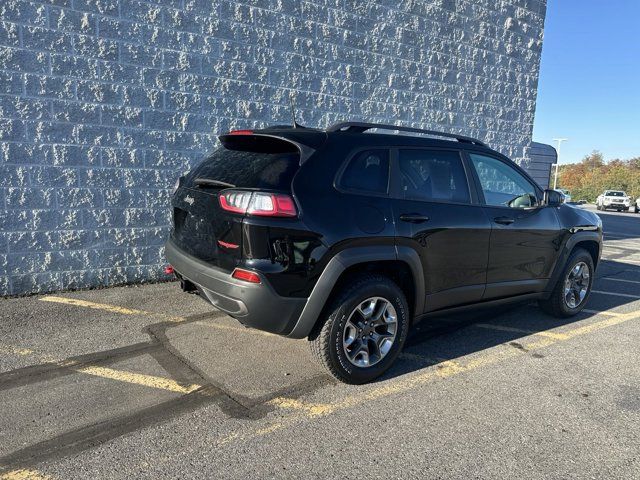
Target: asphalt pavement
x,y
149,382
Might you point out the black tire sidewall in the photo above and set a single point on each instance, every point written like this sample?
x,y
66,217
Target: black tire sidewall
x,y
578,256
351,372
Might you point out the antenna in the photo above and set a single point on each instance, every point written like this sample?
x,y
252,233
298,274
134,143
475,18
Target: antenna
x,y
293,111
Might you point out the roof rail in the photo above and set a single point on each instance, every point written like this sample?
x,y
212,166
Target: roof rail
x,y
360,127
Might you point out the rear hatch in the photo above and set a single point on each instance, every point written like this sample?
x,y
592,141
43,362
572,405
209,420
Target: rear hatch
x,y
202,227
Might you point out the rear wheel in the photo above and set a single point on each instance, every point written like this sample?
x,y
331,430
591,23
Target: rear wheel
x,y
572,290
363,330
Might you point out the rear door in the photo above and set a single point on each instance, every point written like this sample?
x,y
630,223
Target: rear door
x,y
201,227
437,216
526,235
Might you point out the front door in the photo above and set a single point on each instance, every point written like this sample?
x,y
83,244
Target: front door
x,y
435,215
525,235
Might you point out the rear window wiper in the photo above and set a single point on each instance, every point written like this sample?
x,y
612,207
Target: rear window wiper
x,y
212,183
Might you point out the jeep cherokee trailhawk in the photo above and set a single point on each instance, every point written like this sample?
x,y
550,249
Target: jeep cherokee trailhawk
x,y
346,237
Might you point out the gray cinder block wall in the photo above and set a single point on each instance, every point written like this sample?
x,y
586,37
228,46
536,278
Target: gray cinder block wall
x,y
103,103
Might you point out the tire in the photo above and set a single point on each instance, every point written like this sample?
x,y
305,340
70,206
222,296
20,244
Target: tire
x,y
556,305
329,345
636,209
598,207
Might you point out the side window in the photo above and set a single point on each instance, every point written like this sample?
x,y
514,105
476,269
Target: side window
x,y
433,175
502,184
367,171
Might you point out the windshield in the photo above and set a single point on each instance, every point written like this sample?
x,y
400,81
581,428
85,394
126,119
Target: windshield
x,y
615,194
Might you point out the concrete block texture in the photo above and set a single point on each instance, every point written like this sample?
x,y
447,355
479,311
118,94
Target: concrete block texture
x,y
104,103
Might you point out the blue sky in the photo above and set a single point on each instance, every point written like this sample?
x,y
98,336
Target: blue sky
x,y
589,90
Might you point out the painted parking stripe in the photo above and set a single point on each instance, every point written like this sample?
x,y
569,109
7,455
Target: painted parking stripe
x,y
502,328
440,371
604,312
622,234
23,474
11,350
108,308
129,311
616,294
150,381
144,380
312,409
619,280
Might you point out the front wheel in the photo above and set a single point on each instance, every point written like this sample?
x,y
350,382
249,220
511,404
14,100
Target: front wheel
x,y
572,290
363,330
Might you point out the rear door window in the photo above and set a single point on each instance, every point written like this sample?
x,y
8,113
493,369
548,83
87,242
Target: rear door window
x,y
433,175
367,171
246,169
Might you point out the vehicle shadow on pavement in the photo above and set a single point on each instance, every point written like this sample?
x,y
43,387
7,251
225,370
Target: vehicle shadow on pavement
x,y
447,338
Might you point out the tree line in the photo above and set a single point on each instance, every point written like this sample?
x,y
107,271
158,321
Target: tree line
x,y
592,176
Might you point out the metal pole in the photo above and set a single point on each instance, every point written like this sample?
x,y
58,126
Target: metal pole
x,y
559,140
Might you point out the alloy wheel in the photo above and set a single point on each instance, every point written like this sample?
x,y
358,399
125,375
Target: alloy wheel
x,y
370,332
576,285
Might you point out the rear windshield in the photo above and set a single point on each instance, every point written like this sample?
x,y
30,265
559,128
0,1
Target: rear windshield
x,y
250,169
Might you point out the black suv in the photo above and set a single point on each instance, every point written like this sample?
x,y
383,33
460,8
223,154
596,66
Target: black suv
x,y
346,236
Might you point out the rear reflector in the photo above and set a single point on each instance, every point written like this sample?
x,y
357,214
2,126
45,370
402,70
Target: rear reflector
x,y
240,132
228,245
262,204
168,270
246,275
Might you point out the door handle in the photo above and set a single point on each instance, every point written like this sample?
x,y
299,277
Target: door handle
x,y
504,220
414,218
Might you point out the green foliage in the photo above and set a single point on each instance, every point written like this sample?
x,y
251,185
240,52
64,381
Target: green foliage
x,y
592,176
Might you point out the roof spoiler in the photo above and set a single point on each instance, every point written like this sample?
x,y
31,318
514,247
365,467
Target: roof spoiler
x,y
256,141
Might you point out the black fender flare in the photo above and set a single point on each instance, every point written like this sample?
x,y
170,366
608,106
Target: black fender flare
x,y
575,238
345,259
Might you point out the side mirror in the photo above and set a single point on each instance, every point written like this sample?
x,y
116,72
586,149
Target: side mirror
x,y
552,198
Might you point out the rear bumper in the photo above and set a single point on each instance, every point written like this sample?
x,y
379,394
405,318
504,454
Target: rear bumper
x,y
254,305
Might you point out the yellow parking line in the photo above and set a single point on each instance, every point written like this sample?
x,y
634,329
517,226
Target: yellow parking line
x,y
616,294
10,350
604,312
419,358
620,234
138,379
312,409
543,333
609,322
442,370
23,474
108,308
150,381
619,280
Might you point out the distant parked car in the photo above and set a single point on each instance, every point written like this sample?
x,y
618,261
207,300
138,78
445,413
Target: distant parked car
x,y
636,205
613,199
566,193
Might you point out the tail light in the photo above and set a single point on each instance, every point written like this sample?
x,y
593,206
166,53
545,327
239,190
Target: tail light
x,y
262,204
246,275
168,270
